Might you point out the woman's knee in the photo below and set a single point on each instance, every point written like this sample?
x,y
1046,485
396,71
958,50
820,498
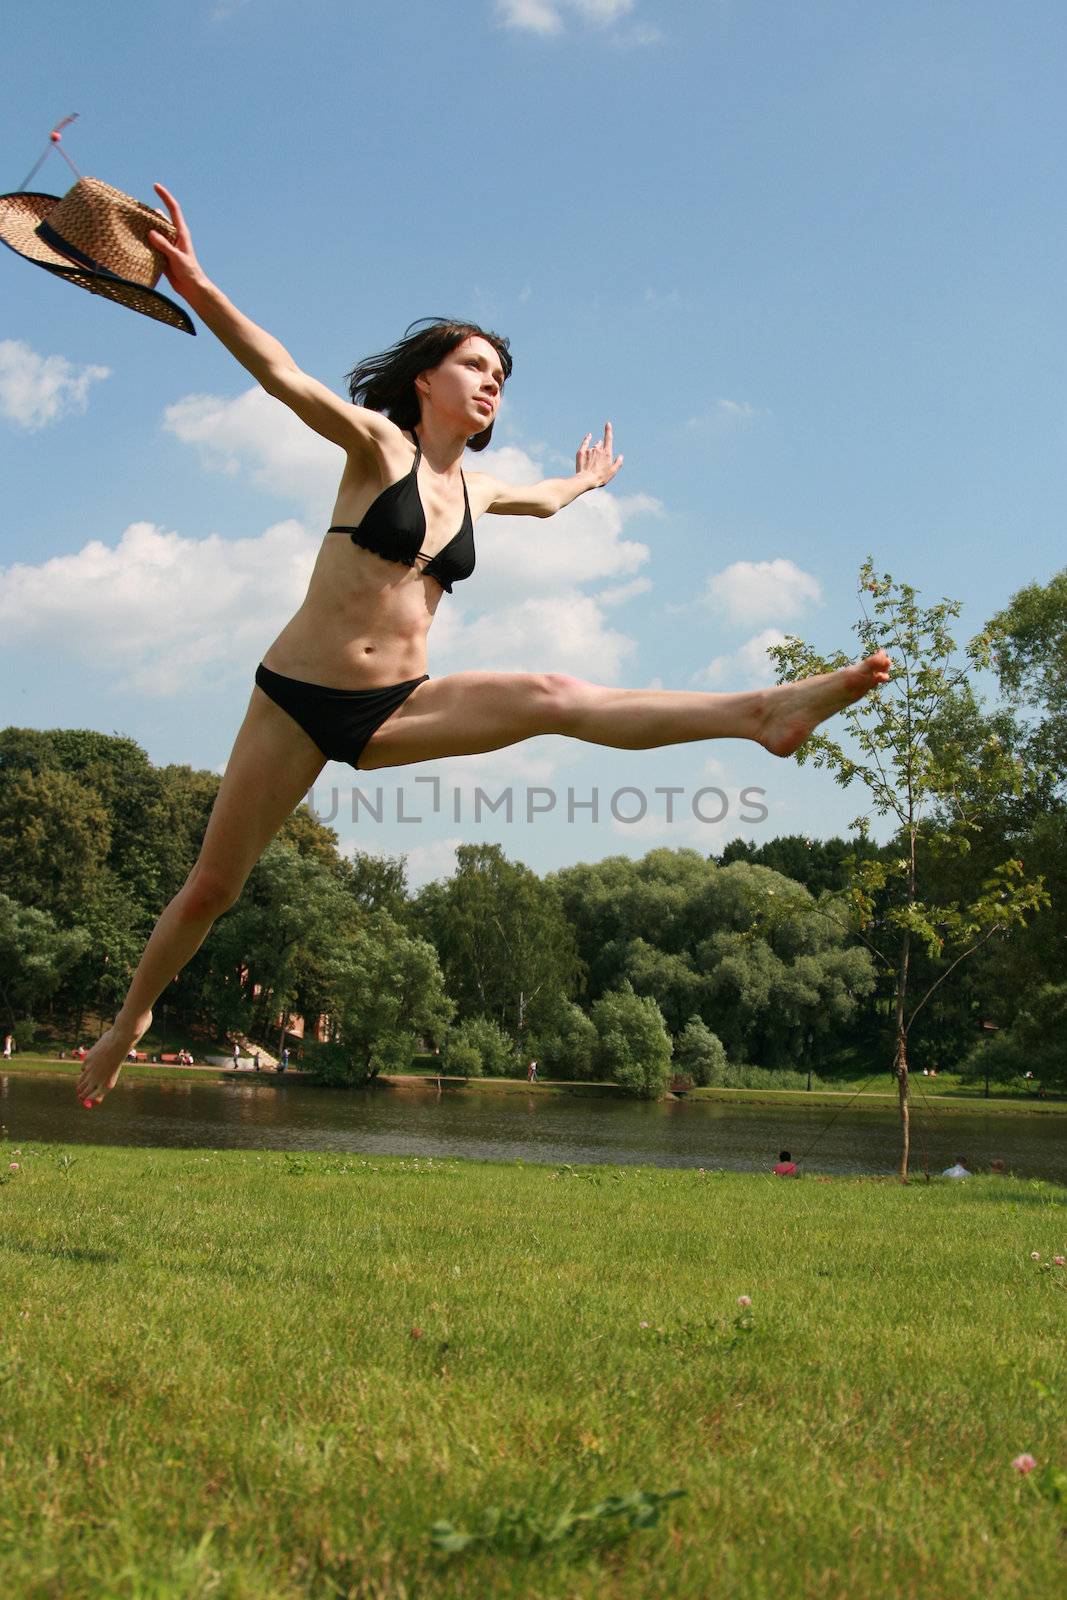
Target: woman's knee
x,y
209,891
562,699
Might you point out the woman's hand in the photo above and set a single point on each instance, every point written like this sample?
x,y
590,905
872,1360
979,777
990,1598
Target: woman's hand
x,y
183,271
595,461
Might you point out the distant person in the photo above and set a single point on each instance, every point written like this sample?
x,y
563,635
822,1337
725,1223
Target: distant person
x,y
997,1167
283,1060
9,1045
785,1167
236,1056
531,1072
959,1169
255,1061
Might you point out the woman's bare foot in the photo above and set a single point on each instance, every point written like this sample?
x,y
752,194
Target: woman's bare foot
x,y
101,1068
794,710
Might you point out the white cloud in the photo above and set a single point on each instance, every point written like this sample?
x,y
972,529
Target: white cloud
x,y
36,390
123,606
261,436
534,16
564,632
426,862
749,592
622,592
160,610
548,17
581,544
662,297
745,668
725,416
603,11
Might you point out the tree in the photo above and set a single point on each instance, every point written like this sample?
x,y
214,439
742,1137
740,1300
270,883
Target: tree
x,y
565,1044
34,955
480,1037
669,978
1036,1042
614,902
1029,640
385,991
274,953
699,1054
506,948
819,864
378,883
633,1045
54,840
907,772
777,976
115,929
462,1058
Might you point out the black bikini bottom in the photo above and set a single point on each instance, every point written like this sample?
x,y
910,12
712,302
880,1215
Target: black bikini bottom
x,y
339,721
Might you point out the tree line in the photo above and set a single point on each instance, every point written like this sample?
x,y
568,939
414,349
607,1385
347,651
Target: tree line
x,y
943,946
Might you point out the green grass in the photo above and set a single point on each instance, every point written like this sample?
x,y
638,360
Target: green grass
x,y
211,1384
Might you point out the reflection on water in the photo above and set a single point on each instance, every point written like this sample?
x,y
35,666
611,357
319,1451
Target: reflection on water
x,y
417,1119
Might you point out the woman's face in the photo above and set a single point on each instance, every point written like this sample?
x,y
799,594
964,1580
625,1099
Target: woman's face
x,y
465,388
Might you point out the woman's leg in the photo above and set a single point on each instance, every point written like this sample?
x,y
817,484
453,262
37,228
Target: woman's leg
x,y
271,767
469,712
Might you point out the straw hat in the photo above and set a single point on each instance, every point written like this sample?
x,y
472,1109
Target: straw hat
x,y
96,237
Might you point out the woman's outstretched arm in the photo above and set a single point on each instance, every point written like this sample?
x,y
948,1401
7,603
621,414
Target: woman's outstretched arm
x,y
266,358
594,466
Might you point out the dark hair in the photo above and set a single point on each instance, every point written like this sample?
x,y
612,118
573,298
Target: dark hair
x,y
386,382
783,1155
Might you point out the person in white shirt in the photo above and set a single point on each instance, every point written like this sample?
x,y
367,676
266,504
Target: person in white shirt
x,y
958,1170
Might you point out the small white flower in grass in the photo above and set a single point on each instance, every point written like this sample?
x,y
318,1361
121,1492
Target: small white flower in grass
x,y
642,1324
744,1300
1024,1463
1035,1255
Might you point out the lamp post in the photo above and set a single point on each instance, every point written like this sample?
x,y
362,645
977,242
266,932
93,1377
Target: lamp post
x,y
987,1027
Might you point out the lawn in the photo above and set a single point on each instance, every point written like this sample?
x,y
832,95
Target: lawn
x,y
244,1374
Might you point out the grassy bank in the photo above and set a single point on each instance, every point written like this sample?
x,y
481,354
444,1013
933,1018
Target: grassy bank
x,y
950,1095
248,1375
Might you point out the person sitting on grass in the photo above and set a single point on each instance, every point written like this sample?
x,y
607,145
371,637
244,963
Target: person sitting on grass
x,y
785,1166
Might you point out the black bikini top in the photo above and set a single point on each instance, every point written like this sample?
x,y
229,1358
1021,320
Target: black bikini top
x,y
395,526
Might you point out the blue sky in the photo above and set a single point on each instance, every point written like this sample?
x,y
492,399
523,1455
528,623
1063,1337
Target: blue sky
x,y
809,259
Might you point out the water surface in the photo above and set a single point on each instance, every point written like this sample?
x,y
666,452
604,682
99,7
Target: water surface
x,y
418,1120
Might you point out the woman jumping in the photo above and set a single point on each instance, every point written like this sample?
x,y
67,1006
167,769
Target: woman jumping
x,y
346,679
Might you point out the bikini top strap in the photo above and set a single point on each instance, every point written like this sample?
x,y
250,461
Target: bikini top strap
x,y
418,452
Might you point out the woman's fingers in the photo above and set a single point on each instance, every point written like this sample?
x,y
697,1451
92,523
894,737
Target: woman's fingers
x,y
176,215
598,454
160,242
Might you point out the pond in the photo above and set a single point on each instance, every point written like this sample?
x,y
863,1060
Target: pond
x,y
417,1119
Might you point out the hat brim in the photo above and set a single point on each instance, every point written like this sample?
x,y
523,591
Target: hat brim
x,y
20,215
